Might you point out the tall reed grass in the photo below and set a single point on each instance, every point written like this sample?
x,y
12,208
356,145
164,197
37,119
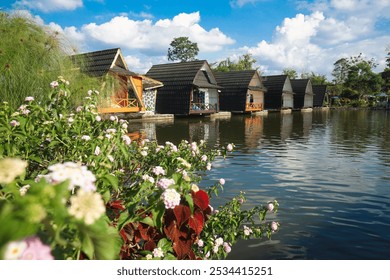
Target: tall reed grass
x,y
31,56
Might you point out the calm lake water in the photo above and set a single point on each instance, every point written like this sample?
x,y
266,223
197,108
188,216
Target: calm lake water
x,y
329,171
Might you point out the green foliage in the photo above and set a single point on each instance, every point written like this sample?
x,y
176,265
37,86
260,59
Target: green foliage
x,y
89,192
316,79
31,56
356,78
245,62
291,73
182,49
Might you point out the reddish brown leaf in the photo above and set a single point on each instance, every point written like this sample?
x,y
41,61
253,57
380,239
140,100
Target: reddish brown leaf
x,y
196,222
150,245
117,204
201,199
183,248
182,214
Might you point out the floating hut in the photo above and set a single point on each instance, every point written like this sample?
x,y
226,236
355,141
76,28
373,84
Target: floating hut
x,y
320,95
190,88
303,98
242,91
128,91
279,95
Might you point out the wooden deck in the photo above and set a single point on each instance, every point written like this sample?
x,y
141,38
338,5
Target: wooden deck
x,y
202,109
122,105
253,107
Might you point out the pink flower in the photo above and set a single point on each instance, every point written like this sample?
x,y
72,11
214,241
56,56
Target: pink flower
x,y
36,250
14,123
171,198
98,118
54,84
222,181
126,139
226,247
274,226
229,147
29,98
158,170
270,206
164,183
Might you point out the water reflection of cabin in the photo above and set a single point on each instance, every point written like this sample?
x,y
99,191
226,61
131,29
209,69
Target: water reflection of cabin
x,y
130,90
242,91
279,93
303,90
189,88
320,97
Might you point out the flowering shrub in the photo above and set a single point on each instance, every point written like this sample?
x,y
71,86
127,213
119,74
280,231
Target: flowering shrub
x,y
73,185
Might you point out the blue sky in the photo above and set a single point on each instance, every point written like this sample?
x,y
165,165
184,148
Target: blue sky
x,y
308,36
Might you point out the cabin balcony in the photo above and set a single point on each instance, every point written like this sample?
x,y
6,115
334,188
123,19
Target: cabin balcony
x,y
202,108
122,105
252,107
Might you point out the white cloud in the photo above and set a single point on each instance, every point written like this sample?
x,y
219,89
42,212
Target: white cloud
x,y
337,28
240,3
50,5
148,37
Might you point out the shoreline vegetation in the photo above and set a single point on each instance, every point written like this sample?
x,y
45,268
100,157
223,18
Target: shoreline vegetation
x,y
75,186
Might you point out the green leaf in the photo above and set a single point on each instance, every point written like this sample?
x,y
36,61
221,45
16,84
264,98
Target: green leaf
x,y
111,180
87,246
158,214
164,244
190,202
148,221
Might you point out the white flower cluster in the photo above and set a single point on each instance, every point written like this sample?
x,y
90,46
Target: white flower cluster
x,y
218,243
183,163
158,253
158,170
87,206
247,231
77,175
10,168
164,183
171,198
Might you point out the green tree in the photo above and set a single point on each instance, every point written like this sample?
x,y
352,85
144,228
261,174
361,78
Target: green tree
x,y
316,79
245,62
355,77
290,72
182,49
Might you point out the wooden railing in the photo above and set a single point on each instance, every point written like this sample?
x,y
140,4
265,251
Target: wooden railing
x,y
126,102
202,107
254,106
120,105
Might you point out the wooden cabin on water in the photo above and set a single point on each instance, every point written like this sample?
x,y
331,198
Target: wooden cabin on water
x,y
303,90
242,91
320,95
279,94
128,95
189,88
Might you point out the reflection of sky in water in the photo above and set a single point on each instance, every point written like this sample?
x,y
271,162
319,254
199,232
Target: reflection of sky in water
x,y
330,172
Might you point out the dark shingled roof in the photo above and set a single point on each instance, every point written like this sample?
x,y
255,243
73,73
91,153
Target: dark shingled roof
x,y
235,79
299,86
319,95
182,74
274,84
98,63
